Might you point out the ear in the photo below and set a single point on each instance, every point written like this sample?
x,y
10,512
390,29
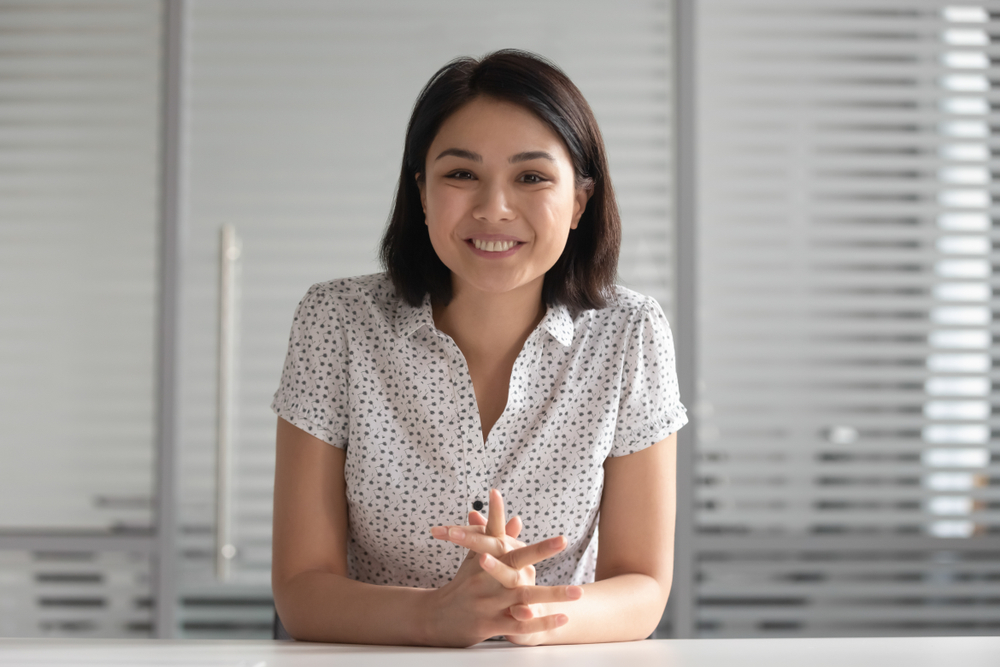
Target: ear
x,y
581,197
422,186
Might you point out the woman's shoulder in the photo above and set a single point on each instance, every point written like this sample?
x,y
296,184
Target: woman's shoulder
x,y
630,301
625,314
624,305
373,288
365,297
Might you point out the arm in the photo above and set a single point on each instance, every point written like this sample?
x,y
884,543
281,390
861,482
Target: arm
x,y
314,597
635,556
318,602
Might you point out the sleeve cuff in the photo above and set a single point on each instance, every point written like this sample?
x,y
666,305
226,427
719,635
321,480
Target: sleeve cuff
x,y
295,419
650,434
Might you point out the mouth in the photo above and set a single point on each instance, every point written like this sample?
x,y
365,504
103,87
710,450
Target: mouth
x,y
493,246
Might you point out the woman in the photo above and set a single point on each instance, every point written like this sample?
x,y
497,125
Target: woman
x,y
495,362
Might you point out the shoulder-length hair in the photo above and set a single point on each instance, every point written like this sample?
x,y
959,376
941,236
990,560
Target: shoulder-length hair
x,y
583,277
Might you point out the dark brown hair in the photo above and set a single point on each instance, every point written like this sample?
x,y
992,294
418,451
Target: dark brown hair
x,y
583,277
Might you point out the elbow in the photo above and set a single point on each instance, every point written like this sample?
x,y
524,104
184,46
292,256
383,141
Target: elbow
x,y
288,597
660,596
665,582
284,619
656,595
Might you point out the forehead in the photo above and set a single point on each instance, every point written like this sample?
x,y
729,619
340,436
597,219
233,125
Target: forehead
x,y
489,124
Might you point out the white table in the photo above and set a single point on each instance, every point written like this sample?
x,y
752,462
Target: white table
x,y
881,652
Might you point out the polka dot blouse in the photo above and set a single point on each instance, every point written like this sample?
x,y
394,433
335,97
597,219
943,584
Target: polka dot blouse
x,y
371,374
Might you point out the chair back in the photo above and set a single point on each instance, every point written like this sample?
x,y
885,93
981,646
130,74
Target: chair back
x,y
279,631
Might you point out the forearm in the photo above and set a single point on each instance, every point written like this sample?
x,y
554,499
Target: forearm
x,y
325,607
626,607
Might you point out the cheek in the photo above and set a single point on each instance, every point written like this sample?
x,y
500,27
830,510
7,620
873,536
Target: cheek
x,y
443,204
557,214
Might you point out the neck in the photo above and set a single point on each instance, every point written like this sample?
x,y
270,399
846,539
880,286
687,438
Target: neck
x,y
485,325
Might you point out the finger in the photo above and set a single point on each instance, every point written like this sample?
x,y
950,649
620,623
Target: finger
x,y
477,520
514,527
533,553
503,573
529,595
521,612
540,624
473,539
443,533
523,582
495,521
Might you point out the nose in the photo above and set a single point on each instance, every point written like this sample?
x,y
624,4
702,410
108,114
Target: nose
x,y
493,203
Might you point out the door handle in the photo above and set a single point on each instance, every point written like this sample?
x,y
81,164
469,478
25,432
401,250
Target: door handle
x,y
229,269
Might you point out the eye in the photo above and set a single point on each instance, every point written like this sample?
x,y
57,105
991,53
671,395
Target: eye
x,y
460,175
533,179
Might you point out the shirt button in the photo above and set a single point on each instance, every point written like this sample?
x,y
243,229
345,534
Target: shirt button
x,y
478,505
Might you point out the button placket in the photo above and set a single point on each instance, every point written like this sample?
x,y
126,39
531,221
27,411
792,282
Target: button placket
x,y
470,426
499,444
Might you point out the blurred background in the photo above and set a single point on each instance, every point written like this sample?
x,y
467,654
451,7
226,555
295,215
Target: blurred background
x,y
807,189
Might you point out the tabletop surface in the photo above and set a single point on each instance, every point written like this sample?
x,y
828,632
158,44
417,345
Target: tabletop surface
x,y
875,652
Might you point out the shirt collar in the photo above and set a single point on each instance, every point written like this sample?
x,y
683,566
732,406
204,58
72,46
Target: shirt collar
x,y
557,320
410,318
559,324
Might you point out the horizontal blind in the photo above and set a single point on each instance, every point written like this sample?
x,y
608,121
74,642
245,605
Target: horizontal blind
x,y
79,124
296,115
846,463
78,149
75,594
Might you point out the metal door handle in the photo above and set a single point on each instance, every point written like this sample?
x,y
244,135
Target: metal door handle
x,y
229,265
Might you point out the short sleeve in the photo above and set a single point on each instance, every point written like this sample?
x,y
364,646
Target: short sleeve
x,y
650,407
313,394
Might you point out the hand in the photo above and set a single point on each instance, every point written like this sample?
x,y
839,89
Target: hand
x,y
477,523
511,564
511,531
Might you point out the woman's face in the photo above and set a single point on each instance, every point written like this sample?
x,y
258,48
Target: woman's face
x,y
499,196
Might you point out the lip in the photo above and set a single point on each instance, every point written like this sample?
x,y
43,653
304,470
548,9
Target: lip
x,y
493,237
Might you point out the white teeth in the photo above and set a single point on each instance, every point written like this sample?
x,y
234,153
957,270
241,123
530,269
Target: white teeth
x,y
493,246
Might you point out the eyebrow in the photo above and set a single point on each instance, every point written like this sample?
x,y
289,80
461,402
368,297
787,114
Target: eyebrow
x,y
476,157
462,153
531,155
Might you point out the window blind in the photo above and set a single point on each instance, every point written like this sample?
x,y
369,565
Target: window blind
x,y
846,463
297,112
78,131
63,593
79,119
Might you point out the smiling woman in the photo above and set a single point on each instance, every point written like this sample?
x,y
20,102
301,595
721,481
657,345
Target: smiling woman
x,y
495,363
540,93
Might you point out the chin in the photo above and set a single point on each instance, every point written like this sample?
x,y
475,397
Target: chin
x,y
506,286
495,289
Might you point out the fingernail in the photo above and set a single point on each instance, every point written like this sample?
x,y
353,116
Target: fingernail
x,y
488,561
439,532
562,619
574,592
457,533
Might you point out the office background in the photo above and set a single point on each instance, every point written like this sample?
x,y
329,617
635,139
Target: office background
x,y
175,174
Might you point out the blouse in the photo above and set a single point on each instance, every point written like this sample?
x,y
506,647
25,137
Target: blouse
x,y
369,373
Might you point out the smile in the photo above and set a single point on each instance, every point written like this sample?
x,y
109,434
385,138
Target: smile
x,y
493,246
